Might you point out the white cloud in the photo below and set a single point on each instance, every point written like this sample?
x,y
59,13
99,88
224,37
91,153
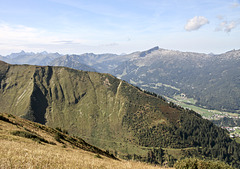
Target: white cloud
x,y
195,23
12,33
220,17
227,26
235,5
18,37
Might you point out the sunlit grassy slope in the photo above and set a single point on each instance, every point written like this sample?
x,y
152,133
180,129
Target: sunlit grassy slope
x,y
48,151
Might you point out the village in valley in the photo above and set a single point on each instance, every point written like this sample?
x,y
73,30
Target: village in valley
x,y
212,115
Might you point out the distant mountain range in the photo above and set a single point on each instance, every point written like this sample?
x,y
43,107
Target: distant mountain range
x,y
211,80
103,63
43,58
72,62
112,114
88,62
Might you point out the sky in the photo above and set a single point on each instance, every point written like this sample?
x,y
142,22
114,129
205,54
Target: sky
x,y
119,26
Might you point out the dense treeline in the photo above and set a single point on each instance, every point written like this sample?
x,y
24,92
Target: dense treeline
x,y
191,130
201,164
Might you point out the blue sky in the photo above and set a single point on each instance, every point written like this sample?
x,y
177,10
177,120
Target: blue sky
x,y
119,26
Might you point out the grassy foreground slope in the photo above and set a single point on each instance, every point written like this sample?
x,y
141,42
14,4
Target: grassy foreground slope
x,y
111,114
46,151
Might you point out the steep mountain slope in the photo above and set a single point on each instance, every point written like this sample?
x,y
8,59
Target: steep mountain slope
x,y
25,144
212,80
110,113
42,134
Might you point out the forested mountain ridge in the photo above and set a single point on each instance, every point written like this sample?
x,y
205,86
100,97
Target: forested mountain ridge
x,y
111,114
212,80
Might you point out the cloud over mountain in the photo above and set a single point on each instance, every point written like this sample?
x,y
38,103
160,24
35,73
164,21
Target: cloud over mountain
x,y
196,23
227,26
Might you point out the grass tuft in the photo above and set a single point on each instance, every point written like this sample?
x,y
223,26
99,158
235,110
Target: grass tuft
x,y
28,135
4,119
98,156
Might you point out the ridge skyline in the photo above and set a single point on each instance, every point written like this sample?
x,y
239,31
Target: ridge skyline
x,y
159,48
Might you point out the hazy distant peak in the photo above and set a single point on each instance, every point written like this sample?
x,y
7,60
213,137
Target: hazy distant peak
x,y
22,52
233,51
14,55
44,53
144,53
233,54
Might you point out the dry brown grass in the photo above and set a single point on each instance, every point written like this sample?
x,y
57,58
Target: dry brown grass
x,y
18,154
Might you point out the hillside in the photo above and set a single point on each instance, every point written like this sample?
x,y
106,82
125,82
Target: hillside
x,y
211,80
111,114
25,144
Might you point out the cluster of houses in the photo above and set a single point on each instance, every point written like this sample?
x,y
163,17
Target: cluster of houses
x,y
217,116
232,131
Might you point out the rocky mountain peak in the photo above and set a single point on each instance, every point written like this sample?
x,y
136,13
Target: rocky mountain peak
x,y
143,54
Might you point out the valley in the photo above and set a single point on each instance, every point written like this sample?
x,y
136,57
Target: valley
x,y
120,84
164,72
154,120
210,79
111,114
212,115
